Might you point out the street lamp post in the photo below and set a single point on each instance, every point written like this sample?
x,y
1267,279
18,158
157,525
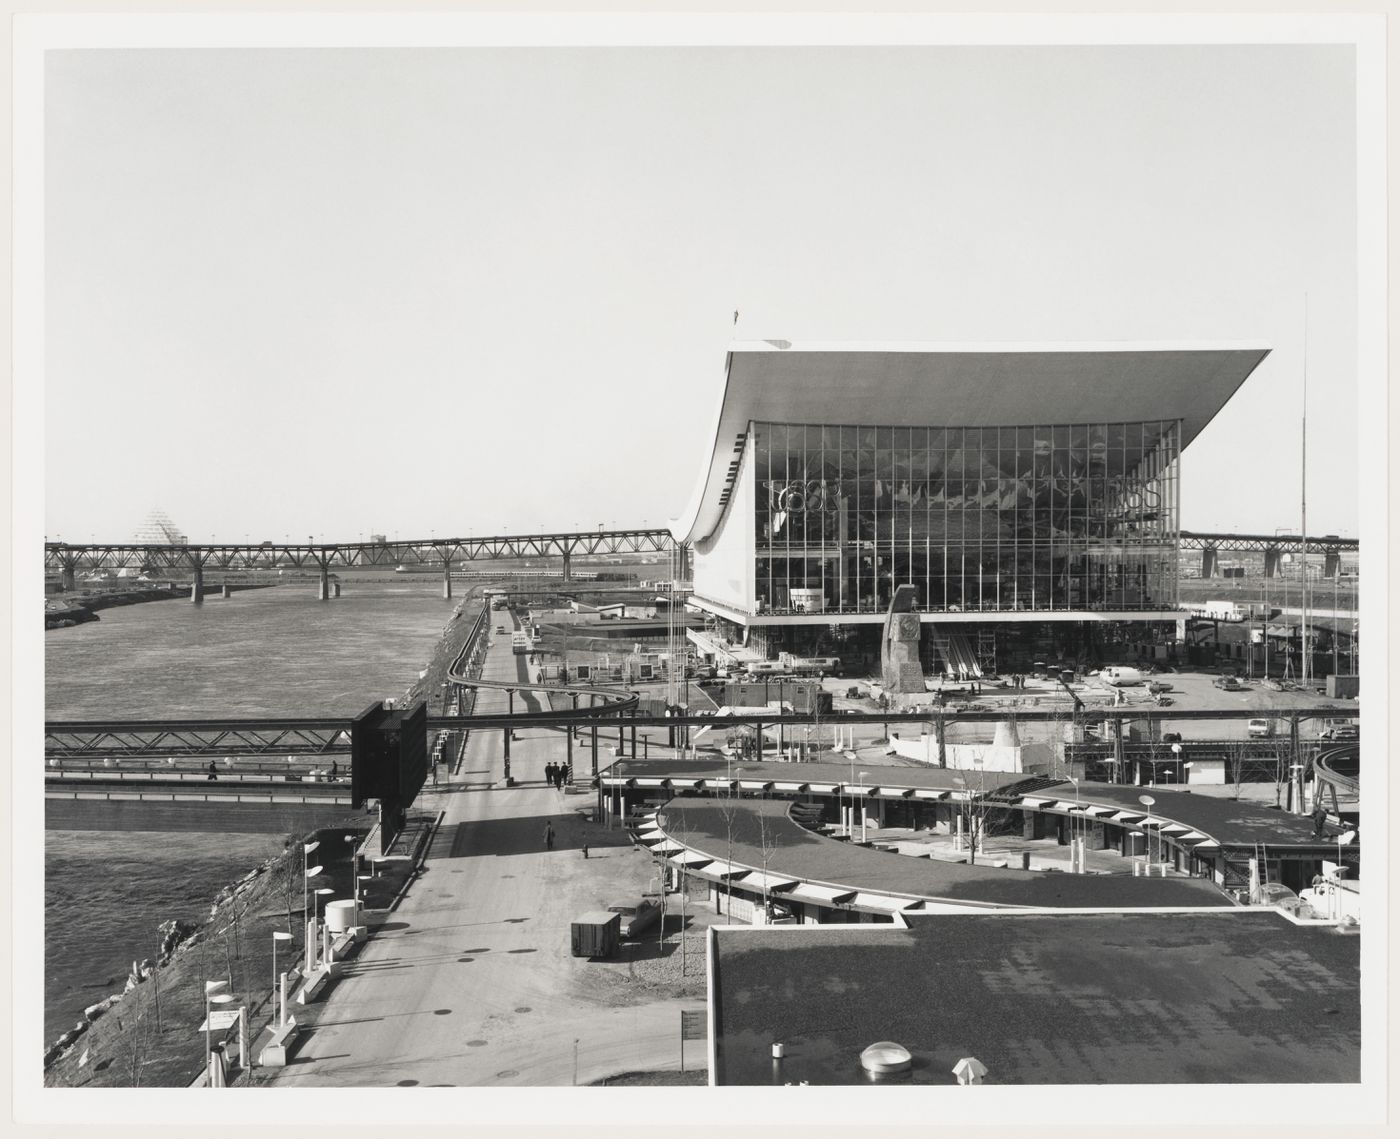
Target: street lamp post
x,y
1147,801
281,1007
307,874
215,993
863,812
323,892
1076,854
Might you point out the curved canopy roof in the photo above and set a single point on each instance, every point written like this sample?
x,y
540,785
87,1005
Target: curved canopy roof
x,y
962,385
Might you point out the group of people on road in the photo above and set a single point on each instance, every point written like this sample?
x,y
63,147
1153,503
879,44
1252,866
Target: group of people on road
x,y
557,774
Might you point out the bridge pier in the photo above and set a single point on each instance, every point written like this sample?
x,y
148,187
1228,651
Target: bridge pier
x,y
197,587
1272,559
447,583
1332,565
335,589
568,567
227,590
323,586
1208,562
69,578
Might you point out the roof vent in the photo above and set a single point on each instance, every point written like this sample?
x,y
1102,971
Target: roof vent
x,y
886,1056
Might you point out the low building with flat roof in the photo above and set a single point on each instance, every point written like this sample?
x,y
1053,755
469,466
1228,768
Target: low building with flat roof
x,y
1230,996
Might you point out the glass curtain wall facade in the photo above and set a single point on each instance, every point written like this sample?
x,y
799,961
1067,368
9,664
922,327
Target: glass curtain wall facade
x,y
977,519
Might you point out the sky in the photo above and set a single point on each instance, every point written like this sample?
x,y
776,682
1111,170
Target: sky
x,y
433,292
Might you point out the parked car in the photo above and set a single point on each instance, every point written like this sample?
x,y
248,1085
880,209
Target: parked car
x,y
1260,729
1228,684
1340,730
1156,686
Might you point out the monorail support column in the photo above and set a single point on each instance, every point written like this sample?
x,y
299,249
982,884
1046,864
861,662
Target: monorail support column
x,y
197,586
505,736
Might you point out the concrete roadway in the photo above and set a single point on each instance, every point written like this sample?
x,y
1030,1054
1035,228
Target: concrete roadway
x,y
470,981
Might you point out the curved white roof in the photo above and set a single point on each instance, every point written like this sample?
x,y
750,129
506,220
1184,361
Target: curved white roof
x,y
958,385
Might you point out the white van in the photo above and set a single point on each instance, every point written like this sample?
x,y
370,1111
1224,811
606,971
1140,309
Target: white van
x,y
1120,677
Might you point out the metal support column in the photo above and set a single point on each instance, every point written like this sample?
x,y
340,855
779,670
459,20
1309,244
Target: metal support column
x,y
593,732
1119,774
508,732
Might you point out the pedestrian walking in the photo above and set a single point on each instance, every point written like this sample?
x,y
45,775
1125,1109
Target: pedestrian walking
x,y
213,770
548,836
335,769
549,773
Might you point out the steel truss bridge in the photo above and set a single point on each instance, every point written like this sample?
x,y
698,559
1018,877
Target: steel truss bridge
x,y
68,558
1272,547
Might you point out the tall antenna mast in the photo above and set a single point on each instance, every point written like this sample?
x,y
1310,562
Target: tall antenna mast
x,y
1305,670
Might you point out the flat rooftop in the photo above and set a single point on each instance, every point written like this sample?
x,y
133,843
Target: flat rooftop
x,y
1230,822
1242,996
758,833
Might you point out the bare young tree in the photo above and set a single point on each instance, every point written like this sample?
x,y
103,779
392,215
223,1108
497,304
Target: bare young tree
x,y
133,1039
1235,758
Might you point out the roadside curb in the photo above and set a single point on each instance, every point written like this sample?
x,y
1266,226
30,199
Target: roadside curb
x,y
419,857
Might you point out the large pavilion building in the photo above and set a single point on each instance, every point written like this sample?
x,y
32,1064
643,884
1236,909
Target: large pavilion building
x,y
1028,494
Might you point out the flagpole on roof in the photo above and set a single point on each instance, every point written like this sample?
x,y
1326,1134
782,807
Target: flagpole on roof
x,y
1305,670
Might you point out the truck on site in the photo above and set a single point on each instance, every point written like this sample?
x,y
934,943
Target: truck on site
x,y
1120,676
520,642
809,666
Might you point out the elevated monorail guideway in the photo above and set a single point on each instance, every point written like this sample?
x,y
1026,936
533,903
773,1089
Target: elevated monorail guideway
x,y
1337,774
96,738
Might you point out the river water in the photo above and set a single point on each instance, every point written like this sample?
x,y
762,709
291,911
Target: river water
x,y
260,653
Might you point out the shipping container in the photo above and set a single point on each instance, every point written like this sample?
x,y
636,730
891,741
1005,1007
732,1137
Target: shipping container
x,y
595,934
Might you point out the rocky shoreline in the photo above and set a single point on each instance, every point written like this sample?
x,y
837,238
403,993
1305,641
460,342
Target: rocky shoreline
x,y
82,608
